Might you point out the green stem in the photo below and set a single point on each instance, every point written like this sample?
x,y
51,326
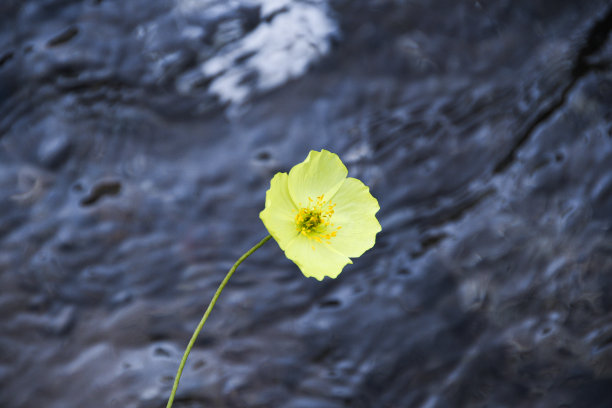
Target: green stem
x,y
208,309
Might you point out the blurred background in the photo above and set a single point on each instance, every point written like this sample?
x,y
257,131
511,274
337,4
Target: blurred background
x,y
138,138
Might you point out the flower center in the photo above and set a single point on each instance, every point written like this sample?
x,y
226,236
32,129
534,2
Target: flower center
x,y
313,220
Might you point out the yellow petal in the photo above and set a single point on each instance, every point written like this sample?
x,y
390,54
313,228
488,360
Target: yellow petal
x,y
316,259
279,213
355,213
321,173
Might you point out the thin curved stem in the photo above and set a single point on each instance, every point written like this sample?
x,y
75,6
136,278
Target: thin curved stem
x,y
208,310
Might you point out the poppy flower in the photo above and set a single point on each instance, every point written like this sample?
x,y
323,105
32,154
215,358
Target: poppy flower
x,y
320,217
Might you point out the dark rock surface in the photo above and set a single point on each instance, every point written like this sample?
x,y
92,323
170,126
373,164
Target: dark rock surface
x,y
137,140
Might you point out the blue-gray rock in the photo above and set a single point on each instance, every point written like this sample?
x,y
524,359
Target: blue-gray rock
x,y
138,138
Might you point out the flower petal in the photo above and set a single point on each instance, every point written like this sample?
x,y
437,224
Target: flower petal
x,y
279,213
319,262
321,173
355,213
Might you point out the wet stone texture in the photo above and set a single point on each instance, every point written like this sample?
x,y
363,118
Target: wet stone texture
x,y
138,138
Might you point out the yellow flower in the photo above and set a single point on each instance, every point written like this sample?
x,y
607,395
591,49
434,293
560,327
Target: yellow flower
x,y
319,217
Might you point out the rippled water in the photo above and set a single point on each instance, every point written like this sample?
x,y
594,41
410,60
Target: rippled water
x,y
138,138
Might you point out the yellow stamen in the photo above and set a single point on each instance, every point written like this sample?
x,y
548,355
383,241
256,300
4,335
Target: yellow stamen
x,y
312,221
